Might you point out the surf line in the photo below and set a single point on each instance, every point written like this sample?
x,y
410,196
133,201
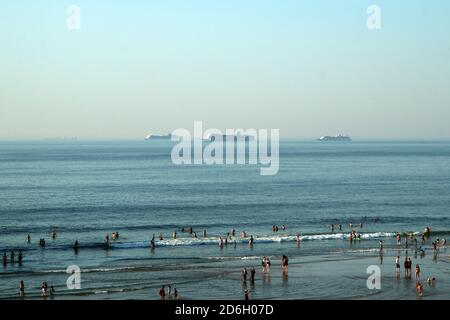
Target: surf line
x,y
261,150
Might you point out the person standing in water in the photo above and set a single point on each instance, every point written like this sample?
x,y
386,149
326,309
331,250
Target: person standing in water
x,y
28,238
246,294
332,227
397,266
20,257
4,259
250,242
174,235
162,292
252,275
244,275
204,234
21,288
417,273
13,255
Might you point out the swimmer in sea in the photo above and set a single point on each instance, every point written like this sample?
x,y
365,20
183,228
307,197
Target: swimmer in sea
x,y
53,234
161,238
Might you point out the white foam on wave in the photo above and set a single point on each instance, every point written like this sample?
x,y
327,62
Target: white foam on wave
x,y
257,239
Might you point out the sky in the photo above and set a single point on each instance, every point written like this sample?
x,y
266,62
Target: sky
x,y
309,68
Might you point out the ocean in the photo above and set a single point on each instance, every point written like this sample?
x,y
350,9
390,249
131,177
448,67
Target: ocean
x,y
88,189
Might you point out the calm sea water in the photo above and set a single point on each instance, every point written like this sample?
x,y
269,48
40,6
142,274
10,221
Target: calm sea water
x,y
89,189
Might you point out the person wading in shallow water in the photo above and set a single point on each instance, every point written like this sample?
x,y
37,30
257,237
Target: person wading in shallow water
x,y
162,292
246,294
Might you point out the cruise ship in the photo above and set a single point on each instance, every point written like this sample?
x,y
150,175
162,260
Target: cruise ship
x,y
159,136
335,138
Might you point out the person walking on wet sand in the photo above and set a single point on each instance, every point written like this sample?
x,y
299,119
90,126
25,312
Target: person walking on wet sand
x,y
417,273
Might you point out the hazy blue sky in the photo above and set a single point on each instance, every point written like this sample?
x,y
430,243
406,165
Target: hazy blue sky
x,y
308,68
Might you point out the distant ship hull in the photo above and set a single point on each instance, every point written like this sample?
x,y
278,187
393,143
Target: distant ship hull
x,y
335,138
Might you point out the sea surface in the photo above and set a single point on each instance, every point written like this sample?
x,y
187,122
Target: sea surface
x,y
88,189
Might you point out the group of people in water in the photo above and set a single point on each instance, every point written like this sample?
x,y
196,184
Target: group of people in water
x,y
45,290
162,293
12,258
407,264
266,263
